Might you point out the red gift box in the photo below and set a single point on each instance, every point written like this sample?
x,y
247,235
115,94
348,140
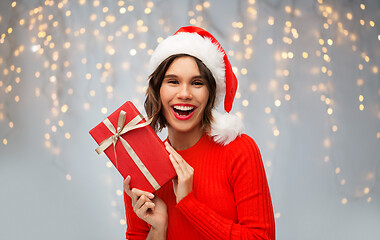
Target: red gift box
x,y
134,148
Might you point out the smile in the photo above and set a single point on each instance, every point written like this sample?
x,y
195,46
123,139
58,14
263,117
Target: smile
x,y
183,111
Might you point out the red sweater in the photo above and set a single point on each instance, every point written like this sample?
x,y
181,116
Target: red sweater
x,y
230,197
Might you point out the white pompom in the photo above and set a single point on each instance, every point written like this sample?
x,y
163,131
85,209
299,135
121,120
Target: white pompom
x,y
225,127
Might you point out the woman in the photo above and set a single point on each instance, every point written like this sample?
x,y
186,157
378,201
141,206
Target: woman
x,y
221,191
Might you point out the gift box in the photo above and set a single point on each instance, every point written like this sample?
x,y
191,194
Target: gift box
x,y
134,148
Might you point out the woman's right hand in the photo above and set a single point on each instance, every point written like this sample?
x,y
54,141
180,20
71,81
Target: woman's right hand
x,y
148,207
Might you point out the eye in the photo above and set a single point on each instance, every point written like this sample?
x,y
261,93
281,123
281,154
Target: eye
x,y
172,81
198,83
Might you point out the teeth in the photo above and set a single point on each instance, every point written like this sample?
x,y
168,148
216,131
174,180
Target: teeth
x,y
183,108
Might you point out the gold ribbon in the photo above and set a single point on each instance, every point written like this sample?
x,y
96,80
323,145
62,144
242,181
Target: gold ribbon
x,y
117,135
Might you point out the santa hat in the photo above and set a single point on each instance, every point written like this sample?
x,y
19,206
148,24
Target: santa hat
x,y
199,43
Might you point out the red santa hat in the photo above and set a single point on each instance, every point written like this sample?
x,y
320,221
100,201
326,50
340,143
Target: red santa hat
x,y
199,43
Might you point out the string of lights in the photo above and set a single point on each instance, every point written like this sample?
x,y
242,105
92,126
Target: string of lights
x,y
84,40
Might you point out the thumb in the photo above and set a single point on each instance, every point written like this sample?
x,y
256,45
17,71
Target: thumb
x,y
175,185
175,181
126,186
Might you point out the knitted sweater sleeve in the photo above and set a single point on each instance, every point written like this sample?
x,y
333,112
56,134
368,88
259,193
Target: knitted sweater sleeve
x,y
137,229
251,192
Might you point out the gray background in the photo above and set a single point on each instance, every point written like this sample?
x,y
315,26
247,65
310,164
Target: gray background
x,y
324,184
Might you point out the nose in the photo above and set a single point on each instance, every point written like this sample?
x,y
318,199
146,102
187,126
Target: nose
x,y
184,92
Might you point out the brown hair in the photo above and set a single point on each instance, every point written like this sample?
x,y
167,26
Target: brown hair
x,y
153,104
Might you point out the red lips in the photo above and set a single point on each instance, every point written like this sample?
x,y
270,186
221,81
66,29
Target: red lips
x,y
183,111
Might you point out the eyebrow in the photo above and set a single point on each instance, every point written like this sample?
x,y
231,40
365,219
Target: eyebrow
x,y
170,76
175,76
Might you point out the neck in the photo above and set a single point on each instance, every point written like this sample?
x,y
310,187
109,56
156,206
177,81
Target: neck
x,y
184,140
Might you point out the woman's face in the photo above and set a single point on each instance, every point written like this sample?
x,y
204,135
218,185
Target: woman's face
x,y
184,95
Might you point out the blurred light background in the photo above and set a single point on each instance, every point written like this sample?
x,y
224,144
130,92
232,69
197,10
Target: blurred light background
x,y
309,95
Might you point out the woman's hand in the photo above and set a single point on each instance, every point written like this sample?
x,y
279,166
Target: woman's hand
x,y
148,207
183,184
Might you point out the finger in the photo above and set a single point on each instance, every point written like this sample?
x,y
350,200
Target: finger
x,y
142,211
137,193
176,166
182,163
175,185
138,203
186,169
141,203
171,150
126,187
131,193
173,153
175,181
189,168
140,193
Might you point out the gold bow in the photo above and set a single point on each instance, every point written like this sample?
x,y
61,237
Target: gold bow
x,y
117,135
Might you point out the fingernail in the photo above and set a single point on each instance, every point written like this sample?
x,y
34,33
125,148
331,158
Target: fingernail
x,y
128,177
151,195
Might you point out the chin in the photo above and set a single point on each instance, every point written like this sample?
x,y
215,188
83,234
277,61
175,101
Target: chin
x,y
183,127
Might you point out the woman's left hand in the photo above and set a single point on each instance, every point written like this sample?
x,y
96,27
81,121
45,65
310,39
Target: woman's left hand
x,y
183,184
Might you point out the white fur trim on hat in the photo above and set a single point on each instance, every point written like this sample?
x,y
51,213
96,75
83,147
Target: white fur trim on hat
x,y
225,127
194,45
